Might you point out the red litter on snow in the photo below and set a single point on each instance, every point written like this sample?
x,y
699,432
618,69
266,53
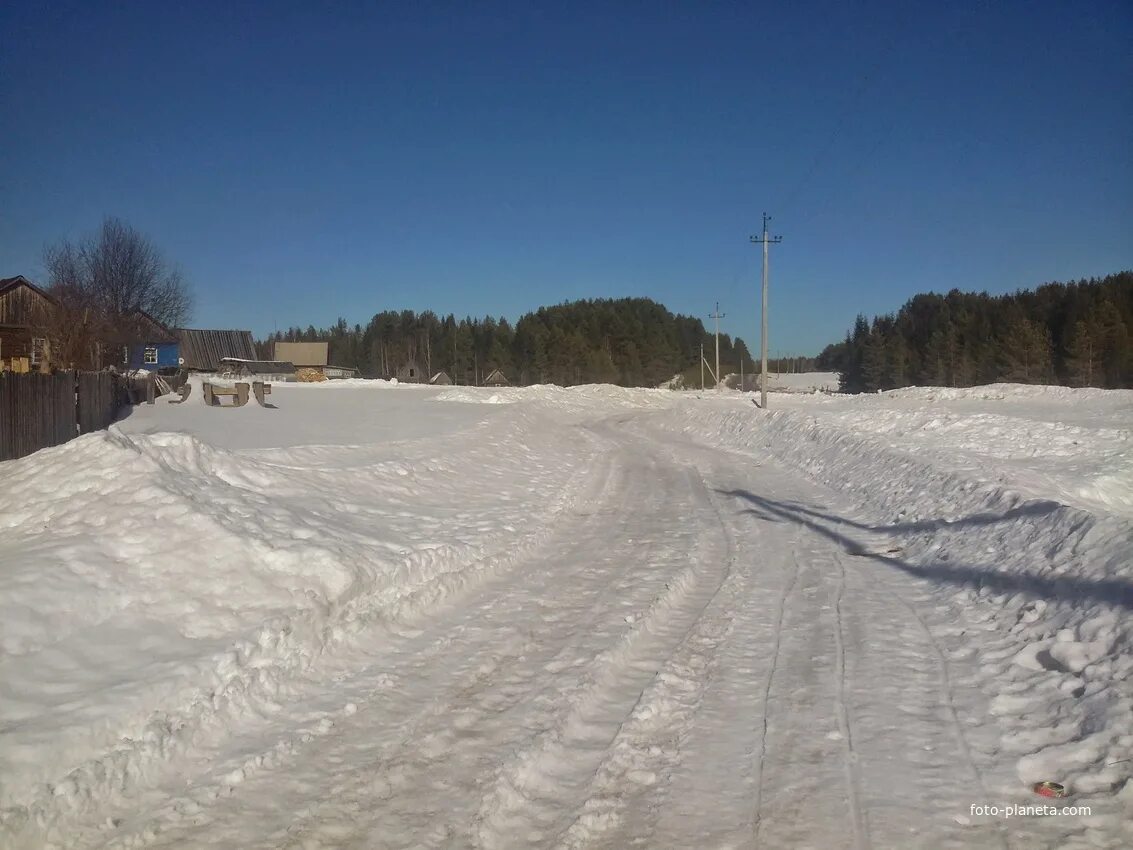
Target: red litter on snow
x,y
1049,789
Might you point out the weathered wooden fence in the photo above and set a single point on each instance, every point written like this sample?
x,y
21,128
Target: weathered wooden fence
x,y
37,411
98,397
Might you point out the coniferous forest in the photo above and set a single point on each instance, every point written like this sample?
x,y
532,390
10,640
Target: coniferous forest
x,y
1077,334
628,341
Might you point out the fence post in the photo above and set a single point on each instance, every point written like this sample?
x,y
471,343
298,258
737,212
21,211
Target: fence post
x,y
78,412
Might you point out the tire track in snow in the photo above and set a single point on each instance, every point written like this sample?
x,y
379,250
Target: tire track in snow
x,y
788,590
948,700
529,800
845,725
639,761
900,716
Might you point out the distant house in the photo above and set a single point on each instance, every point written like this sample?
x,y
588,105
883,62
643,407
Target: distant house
x,y
148,344
496,379
25,314
202,350
336,372
441,379
305,355
260,370
411,373
312,356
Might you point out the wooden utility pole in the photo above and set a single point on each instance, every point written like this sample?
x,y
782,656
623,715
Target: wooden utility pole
x,y
702,366
717,316
766,241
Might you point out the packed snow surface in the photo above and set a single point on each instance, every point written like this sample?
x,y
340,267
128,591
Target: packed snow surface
x,y
388,615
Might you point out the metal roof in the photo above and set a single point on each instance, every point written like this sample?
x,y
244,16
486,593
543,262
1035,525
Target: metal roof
x,y
204,349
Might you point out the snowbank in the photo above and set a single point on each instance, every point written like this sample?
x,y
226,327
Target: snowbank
x,y
156,584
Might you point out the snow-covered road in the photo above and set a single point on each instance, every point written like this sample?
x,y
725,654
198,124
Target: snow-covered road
x,y
682,662
703,648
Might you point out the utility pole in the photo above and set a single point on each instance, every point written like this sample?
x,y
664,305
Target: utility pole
x,y
702,367
717,316
766,241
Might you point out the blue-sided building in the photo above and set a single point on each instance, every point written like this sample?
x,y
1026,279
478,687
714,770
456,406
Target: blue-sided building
x,y
149,344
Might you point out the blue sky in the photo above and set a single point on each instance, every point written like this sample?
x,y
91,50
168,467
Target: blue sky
x,y
301,162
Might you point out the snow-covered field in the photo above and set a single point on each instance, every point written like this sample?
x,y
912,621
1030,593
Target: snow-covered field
x,y
803,381
400,616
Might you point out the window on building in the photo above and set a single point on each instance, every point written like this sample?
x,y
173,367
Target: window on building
x,y
151,355
38,350
412,374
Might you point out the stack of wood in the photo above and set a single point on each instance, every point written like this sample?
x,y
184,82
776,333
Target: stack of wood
x,y
309,376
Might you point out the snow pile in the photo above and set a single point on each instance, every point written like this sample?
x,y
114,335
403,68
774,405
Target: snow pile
x,y
1014,504
1075,446
156,585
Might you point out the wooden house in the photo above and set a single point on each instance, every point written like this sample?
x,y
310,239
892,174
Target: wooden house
x,y
25,316
148,344
496,379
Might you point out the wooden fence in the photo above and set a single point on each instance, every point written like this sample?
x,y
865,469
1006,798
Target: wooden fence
x,y
37,411
98,397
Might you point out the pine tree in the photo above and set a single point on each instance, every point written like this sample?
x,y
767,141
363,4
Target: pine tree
x,y
934,372
874,362
1082,362
896,362
852,379
1025,353
1113,340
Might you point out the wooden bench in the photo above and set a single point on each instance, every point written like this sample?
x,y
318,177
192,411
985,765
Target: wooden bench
x,y
238,394
261,392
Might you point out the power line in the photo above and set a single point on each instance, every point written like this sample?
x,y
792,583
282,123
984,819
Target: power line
x,y
850,108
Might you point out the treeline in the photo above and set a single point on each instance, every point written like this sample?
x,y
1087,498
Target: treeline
x,y
1077,334
628,341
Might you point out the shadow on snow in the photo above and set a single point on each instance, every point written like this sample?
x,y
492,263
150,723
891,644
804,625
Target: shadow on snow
x,y
1117,592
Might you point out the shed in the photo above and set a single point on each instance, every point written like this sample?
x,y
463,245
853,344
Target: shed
x,y
496,379
411,373
441,379
305,355
202,350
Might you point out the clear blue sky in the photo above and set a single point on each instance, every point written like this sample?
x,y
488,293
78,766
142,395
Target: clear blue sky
x,y
301,162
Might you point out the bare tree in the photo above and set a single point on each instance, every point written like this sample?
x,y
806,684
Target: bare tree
x,y
103,280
